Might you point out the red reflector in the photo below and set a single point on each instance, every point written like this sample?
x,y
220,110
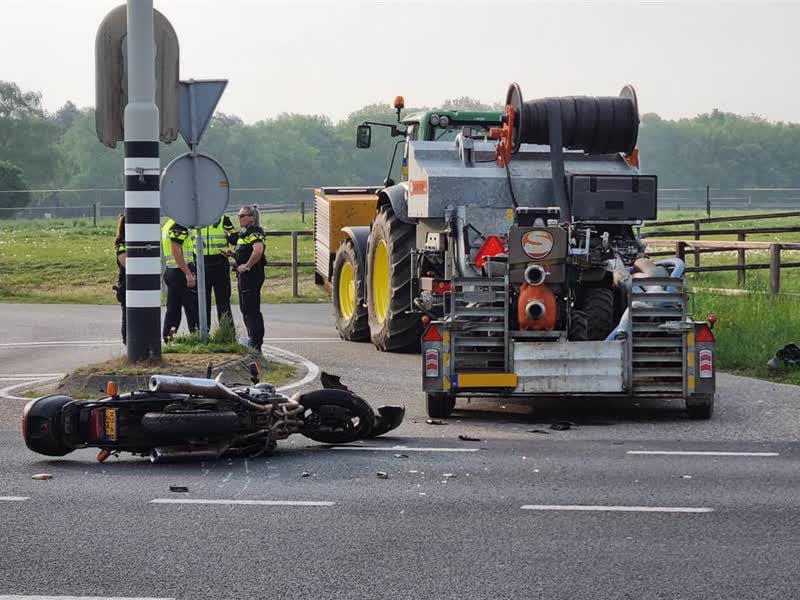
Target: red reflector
x,y
491,247
432,334
440,287
704,334
96,423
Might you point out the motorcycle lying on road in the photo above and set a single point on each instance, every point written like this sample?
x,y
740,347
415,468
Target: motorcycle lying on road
x,y
184,418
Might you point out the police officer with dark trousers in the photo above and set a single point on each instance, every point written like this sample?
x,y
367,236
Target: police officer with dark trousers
x,y
122,254
179,277
216,238
250,263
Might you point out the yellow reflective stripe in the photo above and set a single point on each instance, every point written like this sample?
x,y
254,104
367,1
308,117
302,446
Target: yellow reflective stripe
x,y
690,384
477,380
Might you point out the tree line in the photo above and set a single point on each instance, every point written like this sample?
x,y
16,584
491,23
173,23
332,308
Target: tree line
x,y
41,150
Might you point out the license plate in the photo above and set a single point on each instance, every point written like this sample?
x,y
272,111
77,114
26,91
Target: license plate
x,y
110,433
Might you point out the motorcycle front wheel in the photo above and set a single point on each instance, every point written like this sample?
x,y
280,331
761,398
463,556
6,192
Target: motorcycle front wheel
x,y
335,416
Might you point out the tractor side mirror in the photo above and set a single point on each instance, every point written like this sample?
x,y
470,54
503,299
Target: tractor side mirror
x,y
363,136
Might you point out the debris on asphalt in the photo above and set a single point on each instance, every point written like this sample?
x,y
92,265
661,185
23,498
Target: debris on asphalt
x,y
382,475
178,488
562,425
538,431
413,471
435,422
686,476
401,455
42,476
449,475
305,474
467,438
788,356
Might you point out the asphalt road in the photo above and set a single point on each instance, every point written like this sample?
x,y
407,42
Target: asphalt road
x,y
589,513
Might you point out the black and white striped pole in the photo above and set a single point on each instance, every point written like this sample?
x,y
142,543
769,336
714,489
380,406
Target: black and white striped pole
x,y
142,199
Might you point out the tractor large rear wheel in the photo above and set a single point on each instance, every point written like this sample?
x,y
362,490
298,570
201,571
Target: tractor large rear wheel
x,y
392,327
348,295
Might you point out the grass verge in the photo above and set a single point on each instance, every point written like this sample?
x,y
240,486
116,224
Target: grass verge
x,y
750,330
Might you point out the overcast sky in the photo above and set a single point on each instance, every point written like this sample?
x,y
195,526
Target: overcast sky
x,y
334,57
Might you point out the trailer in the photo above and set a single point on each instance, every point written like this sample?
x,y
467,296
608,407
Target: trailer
x,y
510,255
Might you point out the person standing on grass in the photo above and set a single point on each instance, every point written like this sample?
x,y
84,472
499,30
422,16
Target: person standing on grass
x,y
122,254
250,263
179,276
216,239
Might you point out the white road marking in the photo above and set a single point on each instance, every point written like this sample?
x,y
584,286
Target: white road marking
x,y
303,339
6,392
648,509
242,502
76,598
13,499
697,453
285,356
29,375
403,448
62,343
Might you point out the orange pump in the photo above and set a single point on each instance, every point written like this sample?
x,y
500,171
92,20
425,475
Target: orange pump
x,y
537,308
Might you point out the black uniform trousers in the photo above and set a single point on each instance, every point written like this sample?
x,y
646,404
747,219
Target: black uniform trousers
x,y
179,296
218,277
250,283
121,299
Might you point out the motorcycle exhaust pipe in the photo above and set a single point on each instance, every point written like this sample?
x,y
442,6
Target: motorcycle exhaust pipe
x,y
535,310
534,275
196,386
184,453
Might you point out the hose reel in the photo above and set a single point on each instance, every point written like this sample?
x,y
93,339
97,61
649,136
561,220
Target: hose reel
x,y
593,124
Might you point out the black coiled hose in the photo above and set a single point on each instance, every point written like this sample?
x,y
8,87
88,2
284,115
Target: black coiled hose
x,y
594,124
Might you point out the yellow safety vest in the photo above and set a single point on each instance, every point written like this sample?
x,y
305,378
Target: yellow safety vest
x,y
184,236
215,237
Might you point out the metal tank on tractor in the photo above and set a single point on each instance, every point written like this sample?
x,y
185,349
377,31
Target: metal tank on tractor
x,y
510,254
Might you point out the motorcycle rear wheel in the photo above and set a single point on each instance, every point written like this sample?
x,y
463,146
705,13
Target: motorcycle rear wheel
x,y
335,416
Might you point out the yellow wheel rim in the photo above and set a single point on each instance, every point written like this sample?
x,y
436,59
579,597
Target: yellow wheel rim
x,y
381,291
347,291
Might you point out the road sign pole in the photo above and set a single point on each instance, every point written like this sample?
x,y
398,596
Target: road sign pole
x,y
201,259
142,198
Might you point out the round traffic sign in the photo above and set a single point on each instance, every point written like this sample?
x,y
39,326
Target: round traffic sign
x,y
194,190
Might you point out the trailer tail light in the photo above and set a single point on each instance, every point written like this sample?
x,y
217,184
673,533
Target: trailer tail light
x,y
432,362
432,334
706,362
492,246
704,334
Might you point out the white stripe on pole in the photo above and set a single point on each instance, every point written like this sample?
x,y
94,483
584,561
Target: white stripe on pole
x,y
147,164
143,298
147,265
142,232
142,200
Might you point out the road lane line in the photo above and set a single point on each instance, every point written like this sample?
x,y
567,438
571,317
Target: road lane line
x,y
402,448
6,392
241,502
13,499
281,355
589,508
17,597
303,339
61,343
29,375
697,453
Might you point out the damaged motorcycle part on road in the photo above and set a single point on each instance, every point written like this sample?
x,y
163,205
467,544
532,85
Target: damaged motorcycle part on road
x,y
191,419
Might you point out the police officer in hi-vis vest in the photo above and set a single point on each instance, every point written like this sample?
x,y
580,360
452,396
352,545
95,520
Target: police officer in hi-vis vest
x,y
250,263
216,238
178,248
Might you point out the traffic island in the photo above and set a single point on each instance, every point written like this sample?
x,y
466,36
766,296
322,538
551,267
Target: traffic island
x,y
90,381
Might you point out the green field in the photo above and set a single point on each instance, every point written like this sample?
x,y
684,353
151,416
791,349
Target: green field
x,y
71,261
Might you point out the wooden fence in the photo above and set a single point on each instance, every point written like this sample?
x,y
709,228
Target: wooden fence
x,y
293,263
698,247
